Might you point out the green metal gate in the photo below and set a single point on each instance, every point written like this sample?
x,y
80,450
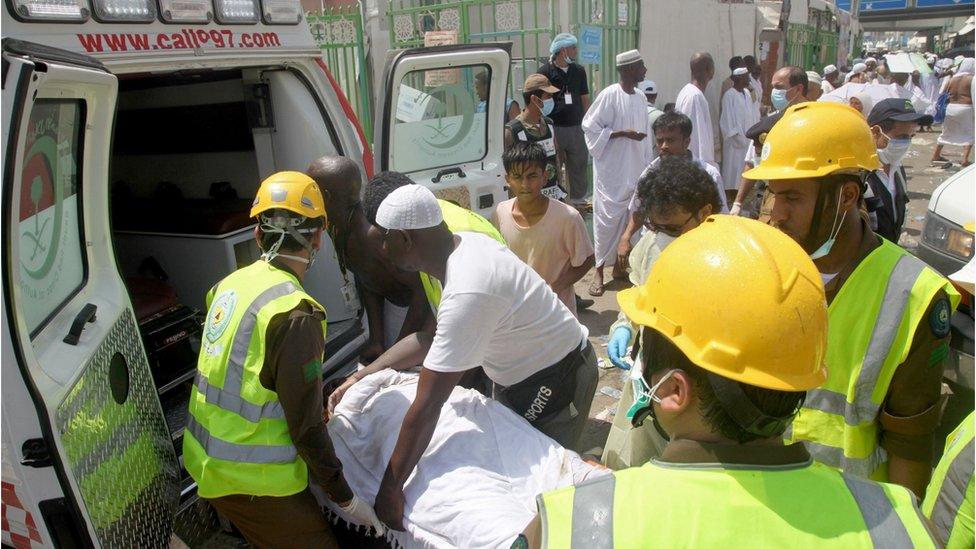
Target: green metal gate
x,y
809,47
528,24
619,23
339,33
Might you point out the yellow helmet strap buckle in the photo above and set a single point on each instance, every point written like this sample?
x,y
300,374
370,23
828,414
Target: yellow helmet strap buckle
x,y
742,410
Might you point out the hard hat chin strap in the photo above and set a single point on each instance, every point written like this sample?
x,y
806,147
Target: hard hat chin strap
x,y
268,226
742,410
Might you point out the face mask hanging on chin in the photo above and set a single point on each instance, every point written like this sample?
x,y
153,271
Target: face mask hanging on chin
x,y
825,248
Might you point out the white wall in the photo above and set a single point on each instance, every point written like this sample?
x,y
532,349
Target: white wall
x,y
672,31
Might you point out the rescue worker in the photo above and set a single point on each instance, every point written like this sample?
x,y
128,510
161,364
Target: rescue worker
x,y
889,312
533,125
719,383
949,499
255,436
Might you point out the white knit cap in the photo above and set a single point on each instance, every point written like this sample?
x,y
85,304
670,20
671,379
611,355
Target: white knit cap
x,y
628,58
830,69
741,71
858,68
648,87
814,78
409,207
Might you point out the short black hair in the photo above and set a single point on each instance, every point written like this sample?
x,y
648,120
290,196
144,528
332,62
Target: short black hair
x,y
672,119
482,77
798,76
677,182
288,243
527,96
735,62
522,153
749,60
378,188
660,352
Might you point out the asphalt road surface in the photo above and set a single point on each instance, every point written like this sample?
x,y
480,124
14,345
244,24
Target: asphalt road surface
x,y
923,178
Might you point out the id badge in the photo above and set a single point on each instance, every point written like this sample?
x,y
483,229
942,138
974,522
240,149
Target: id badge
x,y
569,98
549,146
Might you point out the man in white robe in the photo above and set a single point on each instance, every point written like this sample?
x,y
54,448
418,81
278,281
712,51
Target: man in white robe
x,y
738,116
755,83
692,103
830,74
617,132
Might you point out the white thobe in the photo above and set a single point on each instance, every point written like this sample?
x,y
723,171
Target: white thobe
x,y
826,87
617,163
738,116
912,93
757,95
930,89
692,103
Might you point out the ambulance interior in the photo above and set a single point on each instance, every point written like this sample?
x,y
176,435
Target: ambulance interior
x,y
189,151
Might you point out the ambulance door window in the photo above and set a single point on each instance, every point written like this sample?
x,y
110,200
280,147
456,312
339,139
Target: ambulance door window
x,y
49,228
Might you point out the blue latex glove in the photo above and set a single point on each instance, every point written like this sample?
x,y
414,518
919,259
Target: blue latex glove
x,y
617,346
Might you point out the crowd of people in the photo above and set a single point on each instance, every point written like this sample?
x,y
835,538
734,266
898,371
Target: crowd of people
x,y
785,368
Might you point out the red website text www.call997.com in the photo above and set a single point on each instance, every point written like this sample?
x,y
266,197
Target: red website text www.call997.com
x,y
186,39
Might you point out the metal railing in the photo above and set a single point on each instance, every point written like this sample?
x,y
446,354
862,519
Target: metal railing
x,y
339,33
809,47
618,23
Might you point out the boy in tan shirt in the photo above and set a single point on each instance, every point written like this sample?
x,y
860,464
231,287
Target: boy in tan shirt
x,y
548,235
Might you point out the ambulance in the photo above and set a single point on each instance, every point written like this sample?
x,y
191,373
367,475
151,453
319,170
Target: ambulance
x,y
135,133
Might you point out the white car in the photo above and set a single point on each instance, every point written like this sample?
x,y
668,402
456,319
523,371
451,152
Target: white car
x,y
947,245
947,238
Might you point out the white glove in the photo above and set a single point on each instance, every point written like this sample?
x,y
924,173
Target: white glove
x,y
736,208
362,513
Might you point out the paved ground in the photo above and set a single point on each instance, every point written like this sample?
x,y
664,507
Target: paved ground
x,y
923,179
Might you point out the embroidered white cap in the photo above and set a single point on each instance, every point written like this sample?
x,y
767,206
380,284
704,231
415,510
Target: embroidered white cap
x,y
830,69
628,58
741,71
648,87
409,207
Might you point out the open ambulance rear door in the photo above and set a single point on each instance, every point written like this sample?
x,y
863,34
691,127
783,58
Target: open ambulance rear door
x,y
86,452
441,121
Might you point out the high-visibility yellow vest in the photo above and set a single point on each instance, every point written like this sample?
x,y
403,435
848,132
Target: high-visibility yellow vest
x,y
236,439
695,505
949,499
458,219
872,322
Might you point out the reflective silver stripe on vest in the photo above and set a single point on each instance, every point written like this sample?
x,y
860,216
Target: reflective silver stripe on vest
x,y
225,400
245,329
953,491
593,514
834,457
243,453
863,410
883,523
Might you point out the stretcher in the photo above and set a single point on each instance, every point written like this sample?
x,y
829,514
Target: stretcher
x,y
475,485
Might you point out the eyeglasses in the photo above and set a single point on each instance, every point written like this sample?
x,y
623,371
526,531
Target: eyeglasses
x,y
670,230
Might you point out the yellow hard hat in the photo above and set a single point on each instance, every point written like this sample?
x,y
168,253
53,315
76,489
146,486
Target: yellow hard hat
x,y
816,139
741,300
292,191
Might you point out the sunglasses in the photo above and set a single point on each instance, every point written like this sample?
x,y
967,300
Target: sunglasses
x,y
670,230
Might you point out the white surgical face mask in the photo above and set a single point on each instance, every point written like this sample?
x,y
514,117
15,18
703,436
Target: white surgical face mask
x,y
825,248
895,151
779,99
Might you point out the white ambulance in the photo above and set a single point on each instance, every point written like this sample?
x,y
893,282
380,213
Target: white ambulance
x,y
135,133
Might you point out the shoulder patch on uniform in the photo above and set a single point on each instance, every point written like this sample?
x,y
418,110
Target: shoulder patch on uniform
x,y
939,318
312,370
219,315
520,542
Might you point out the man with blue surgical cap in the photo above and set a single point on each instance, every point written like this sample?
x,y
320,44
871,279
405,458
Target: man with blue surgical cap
x,y
571,103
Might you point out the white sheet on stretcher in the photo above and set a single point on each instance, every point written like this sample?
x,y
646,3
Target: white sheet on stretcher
x,y
476,484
